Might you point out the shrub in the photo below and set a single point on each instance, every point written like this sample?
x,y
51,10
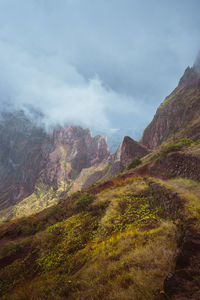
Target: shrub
x,y
9,249
83,203
184,142
134,163
197,142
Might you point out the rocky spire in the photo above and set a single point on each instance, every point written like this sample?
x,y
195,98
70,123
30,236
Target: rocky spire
x,y
197,63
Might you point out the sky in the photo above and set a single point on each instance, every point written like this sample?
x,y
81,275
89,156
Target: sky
x,y
103,64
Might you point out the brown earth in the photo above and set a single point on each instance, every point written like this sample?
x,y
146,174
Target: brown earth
x,y
177,114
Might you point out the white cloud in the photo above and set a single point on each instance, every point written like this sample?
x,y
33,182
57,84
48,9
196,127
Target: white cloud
x,y
51,51
56,88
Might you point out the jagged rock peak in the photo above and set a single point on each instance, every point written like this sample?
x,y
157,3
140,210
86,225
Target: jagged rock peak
x,y
81,140
67,135
197,63
131,149
178,114
190,78
30,157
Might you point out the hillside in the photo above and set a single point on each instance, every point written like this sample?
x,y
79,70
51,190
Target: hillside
x,y
179,115
119,226
133,237
38,167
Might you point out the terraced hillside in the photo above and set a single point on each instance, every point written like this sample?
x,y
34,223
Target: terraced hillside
x,y
136,236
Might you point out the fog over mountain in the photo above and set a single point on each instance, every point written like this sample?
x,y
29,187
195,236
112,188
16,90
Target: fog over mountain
x,y
197,63
100,64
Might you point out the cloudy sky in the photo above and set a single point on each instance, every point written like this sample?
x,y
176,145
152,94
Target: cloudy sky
x,y
98,63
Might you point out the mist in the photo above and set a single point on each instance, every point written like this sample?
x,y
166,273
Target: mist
x,y
99,64
197,63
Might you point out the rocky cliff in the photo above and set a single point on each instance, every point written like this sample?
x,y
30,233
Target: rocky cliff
x,y
36,167
179,115
23,149
73,149
131,149
134,236
113,165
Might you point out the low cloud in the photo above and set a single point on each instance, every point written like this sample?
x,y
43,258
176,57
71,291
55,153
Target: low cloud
x,y
58,90
100,64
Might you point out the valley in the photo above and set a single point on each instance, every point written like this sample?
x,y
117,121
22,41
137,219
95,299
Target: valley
x,y
79,222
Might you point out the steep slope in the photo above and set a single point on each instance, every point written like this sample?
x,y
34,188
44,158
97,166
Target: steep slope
x,y
37,167
131,149
22,157
106,246
170,160
134,236
179,115
74,149
115,164
127,238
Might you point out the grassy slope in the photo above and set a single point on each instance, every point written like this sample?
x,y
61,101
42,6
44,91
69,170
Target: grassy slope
x,y
115,240
117,244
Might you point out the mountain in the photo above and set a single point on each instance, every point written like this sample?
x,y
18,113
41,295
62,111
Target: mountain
x,y
22,157
115,136
115,164
135,236
36,167
124,225
179,115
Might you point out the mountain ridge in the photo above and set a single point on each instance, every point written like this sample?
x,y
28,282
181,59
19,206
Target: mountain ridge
x,y
51,164
179,110
124,232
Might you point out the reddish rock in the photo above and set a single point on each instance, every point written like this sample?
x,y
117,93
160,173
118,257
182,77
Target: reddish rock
x,y
29,156
131,149
177,114
21,157
74,149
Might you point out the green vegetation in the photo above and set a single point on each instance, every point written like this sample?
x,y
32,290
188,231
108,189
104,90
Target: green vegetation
x,y
83,203
115,240
117,244
134,163
184,142
169,147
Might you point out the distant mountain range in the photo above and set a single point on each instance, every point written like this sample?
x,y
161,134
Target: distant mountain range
x,y
115,136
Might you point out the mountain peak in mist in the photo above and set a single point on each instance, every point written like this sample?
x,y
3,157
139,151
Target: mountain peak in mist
x,y
197,63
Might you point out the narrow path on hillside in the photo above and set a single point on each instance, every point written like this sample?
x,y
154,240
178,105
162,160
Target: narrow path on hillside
x,y
184,283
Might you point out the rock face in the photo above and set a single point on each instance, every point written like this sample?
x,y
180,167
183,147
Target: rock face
x,y
38,168
22,157
181,163
114,164
131,149
73,149
179,114
35,163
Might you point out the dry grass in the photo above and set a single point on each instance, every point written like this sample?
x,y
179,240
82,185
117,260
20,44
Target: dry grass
x,y
121,187
130,265
77,259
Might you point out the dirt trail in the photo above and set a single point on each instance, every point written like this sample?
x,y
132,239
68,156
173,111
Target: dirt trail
x,y
184,283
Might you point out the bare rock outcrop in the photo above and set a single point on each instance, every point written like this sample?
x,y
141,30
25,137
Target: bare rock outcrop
x,y
179,113
32,161
131,149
